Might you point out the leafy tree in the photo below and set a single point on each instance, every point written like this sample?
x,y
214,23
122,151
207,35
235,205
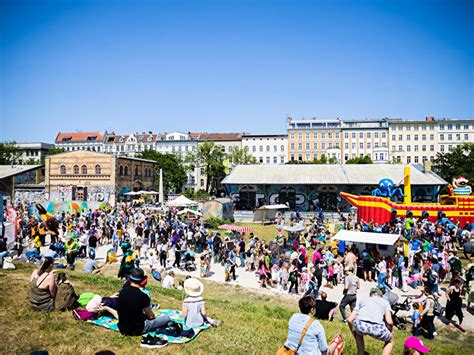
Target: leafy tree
x,y
210,158
360,160
458,162
240,156
9,153
51,152
174,173
322,160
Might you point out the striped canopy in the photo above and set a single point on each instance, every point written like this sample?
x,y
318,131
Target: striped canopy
x,y
233,227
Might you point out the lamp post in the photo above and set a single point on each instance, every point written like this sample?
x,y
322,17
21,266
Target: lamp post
x,y
354,216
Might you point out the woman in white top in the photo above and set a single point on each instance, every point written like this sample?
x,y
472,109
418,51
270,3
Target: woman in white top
x,y
382,276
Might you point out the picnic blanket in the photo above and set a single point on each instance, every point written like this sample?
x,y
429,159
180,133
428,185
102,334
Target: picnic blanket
x,y
175,316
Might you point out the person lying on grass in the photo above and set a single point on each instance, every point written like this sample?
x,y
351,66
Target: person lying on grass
x,y
314,340
194,311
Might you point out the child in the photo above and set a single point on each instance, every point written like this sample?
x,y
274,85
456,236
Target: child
x,y
337,273
151,259
284,276
194,311
202,266
416,318
304,278
275,274
330,281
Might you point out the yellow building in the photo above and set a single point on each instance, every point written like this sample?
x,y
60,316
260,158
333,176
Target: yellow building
x,y
90,176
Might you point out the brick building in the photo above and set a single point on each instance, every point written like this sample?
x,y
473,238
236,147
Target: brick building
x,y
96,177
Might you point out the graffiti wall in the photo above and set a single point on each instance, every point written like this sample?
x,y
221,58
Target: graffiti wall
x,y
310,197
73,206
31,196
101,194
61,193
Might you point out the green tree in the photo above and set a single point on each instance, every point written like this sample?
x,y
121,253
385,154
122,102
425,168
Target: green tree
x,y
174,173
240,156
51,152
458,162
360,160
210,158
9,153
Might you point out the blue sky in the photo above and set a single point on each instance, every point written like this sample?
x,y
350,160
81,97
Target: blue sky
x,y
217,66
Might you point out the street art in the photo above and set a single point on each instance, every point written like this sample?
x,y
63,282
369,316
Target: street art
x,y
101,193
63,193
73,206
31,196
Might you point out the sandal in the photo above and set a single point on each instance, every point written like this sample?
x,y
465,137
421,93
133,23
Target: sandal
x,y
340,344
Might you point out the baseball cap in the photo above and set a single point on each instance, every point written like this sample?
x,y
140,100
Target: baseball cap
x,y
376,291
416,344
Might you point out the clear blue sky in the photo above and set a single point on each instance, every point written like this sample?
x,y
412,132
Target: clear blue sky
x,y
228,65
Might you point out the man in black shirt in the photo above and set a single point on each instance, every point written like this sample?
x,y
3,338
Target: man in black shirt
x,y
135,316
324,309
92,245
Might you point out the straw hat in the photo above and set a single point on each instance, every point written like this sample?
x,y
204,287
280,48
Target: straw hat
x,y
193,287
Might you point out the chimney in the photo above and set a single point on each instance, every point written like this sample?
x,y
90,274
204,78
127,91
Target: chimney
x,y
429,119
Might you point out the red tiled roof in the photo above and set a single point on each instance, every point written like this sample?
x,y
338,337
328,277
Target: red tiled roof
x,y
220,136
79,137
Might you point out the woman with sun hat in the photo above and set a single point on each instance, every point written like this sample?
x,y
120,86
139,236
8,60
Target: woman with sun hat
x,y
194,310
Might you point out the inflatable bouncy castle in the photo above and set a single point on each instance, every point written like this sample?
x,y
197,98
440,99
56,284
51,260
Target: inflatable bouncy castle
x,y
457,206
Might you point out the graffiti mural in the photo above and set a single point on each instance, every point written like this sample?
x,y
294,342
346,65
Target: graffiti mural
x,y
101,193
31,196
73,206
61,193
306,197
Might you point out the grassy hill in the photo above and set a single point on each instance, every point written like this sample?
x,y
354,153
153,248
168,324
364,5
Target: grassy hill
x,y
253,322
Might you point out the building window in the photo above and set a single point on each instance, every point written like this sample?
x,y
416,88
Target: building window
x,y
268,160
121,170
416,137
450,137
315,145
450,126
337,135
307,135
254,148
400,137
126,170
423,128
346,135
260,148
292,146
275,160
466,137
361,145
282,160
353,135
275,148
431,137
400,148
394,137
415,127
416,159
76,169
416,148
361,135
431,148
62,169
441,126
441,137
408,128
466,126
84,169
307,146
458,137
408,137
346,145
282,148
384,135
330,135
423,148
292,136
408,148
300,135
97,169
300,146
202,182
408,160
450,147
323,146
369,135
441,148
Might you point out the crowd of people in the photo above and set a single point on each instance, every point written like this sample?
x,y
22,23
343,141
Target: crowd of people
x,y
303,262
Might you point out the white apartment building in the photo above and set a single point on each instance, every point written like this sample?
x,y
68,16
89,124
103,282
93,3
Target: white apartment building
x,y
92,141
420,141
267,148
33,151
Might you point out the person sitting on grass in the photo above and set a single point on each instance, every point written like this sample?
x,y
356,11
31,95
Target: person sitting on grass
x,y
325,309
372,316
306,335
92,267
414,346
43,287
135,315
193,310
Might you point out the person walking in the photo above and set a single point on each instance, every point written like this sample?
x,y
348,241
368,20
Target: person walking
x,y
351,285
454,303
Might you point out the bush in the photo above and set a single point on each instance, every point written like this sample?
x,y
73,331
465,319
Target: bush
x,y
214,223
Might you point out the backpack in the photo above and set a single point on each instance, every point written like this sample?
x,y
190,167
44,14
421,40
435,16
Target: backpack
x,y
65,297
438,310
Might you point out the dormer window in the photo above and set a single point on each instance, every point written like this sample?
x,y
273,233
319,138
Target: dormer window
x,y
92,138
66,139
149,138
122,139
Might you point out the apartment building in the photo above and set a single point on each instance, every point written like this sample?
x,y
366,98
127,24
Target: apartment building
x,y
92,141
338,139
309,139
34,152
420,141
368,137
267,148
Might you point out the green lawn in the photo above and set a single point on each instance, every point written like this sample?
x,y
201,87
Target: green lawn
x,y
253,322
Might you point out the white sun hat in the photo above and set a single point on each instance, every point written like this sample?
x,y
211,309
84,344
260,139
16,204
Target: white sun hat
x,y
193,287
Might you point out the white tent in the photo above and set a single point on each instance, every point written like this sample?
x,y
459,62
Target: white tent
x,y
366,237
384,242
266,213
132,193
181,201
187,210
